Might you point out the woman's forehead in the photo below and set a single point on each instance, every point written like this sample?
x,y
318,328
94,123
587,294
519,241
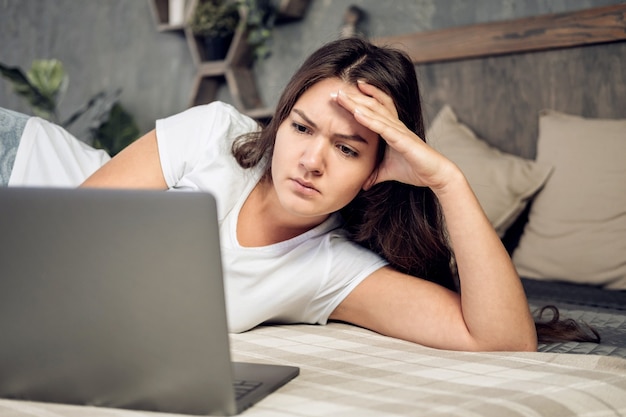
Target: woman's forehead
x,y
318,106
326,86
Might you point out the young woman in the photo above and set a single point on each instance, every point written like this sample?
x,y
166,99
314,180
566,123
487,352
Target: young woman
x,y
339,210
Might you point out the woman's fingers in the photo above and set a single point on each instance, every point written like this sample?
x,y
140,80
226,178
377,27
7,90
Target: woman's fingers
x,y
379,115
379,95
367,97
408,159
370,112
382,119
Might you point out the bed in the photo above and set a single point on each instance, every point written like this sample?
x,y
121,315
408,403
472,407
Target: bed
x,y
348,371
522,127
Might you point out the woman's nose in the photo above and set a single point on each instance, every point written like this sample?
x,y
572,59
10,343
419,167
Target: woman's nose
x,y
313,156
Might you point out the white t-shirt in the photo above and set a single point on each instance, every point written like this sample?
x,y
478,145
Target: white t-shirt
x,y
301,280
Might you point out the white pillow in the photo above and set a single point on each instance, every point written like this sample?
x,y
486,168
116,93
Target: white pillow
x,y
576,229
502,182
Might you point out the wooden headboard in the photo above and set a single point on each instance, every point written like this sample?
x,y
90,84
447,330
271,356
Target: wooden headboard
x,y
498,76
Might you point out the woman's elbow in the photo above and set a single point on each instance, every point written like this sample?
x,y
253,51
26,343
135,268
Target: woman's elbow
x,y
521,342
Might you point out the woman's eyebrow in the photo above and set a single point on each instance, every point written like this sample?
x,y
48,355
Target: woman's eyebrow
x,y
357,138
306,119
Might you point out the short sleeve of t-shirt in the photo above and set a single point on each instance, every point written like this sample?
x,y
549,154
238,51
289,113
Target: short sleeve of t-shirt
x,y
349,265
195,138
301,280
195,151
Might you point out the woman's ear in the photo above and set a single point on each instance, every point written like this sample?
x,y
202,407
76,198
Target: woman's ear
x,y
371,180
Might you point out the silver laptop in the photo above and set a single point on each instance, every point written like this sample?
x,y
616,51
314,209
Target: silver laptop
x,y
116,299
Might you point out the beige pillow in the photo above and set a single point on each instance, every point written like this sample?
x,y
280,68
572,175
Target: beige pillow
x,y
503,182
577,224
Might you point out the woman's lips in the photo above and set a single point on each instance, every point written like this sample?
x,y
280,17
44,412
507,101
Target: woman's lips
x,y
304,187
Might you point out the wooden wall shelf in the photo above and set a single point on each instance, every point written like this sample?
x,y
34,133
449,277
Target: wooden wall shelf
x,y
537,33
236,70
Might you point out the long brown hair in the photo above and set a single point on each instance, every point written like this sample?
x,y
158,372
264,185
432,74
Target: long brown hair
x,y
402,223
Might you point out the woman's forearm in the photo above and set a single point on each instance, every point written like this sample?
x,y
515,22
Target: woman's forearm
x,y
492,297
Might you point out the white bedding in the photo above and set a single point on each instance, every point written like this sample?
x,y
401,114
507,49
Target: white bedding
x,y
348,371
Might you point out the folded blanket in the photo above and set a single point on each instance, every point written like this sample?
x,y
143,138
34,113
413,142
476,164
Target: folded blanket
x,y
11,127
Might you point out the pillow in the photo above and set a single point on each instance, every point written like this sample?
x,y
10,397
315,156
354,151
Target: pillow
x,y
503,182
576,229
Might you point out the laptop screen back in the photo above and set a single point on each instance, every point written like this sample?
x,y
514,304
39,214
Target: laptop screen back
x,y
113,298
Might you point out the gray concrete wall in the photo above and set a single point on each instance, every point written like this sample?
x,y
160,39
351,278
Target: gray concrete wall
x,y
110,44
104,45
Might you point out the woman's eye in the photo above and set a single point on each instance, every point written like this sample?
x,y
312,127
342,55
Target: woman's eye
x,y
299,128
347,151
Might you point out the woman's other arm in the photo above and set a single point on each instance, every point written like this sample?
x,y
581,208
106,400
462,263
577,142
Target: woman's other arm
x,y
136,166
491,312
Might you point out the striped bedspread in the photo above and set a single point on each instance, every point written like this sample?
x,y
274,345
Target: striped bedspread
x,y
348,371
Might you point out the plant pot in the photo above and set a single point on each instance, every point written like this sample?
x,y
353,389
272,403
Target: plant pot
x,y
216,48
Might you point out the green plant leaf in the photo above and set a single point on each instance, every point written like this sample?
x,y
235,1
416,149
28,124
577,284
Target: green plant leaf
x,y
49,77
117,132
93,101
43,105
108,124
86,120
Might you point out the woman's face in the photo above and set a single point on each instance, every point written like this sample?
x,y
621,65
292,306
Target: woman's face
x,y
322,155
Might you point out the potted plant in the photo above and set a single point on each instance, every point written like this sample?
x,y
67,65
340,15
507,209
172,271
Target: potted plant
x,y
215,22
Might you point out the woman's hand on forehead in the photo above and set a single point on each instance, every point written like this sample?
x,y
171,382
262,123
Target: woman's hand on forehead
x,y
408,158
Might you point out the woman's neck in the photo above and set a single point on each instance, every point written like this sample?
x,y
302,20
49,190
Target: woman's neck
x,y
263,221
